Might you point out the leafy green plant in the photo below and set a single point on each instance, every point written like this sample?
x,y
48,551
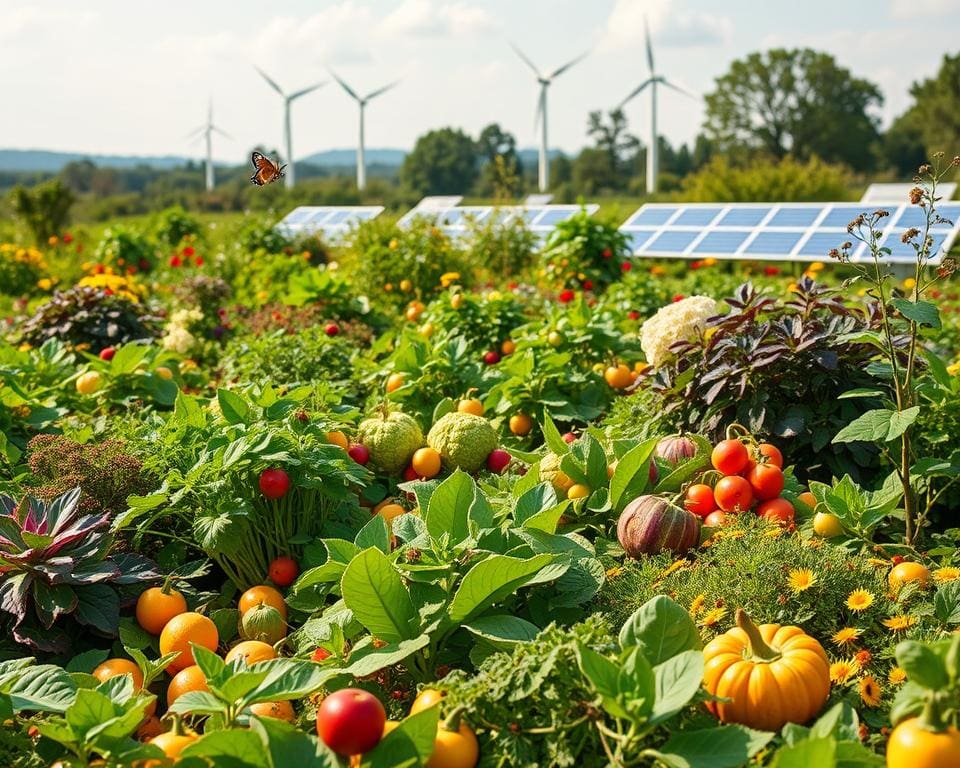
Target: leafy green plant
x,y
121,247
44,209
585,252
503,244
484,321
174,224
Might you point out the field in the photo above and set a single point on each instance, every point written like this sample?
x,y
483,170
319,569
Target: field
x,y
401,500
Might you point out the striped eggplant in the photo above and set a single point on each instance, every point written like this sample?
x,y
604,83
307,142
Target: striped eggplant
x,y
676,449
650,524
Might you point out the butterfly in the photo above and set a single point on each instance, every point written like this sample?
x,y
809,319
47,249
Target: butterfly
x,y
265,170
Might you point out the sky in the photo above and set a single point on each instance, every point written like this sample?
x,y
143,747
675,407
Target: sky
x,y
119,77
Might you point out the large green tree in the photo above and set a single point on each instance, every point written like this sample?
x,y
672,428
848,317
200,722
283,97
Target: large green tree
x,y
443,162
935,114
500,168
798,102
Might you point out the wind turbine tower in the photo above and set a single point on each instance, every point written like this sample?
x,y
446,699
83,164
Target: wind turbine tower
x,y
288,99
207,130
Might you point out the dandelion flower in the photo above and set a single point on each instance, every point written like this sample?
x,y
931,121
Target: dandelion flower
x,y
612,573
869,691
801,579
697,604
899,623
846,636
842,671
713,616
675,566
859,600
943,575
897,676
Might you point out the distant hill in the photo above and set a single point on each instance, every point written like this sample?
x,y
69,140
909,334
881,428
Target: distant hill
x,y
338,158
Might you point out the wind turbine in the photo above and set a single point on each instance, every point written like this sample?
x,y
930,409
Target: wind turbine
x,y
290,176
207,131
544,171
653,81
362,103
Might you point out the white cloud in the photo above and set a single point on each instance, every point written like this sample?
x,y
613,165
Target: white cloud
x,y
669,26
913,9
425,18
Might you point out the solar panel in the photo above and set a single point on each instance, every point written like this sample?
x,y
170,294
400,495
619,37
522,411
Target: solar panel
x,y
429,207
776,231
455,220
329,220
899,193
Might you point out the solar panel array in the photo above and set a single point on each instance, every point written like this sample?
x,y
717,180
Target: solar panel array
x,y
899,193
455,220
429,206
329,220
774,231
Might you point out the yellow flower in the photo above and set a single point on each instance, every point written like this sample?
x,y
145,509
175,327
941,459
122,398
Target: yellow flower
x,y
25,347
712,617
709,261
708,333
44,283
448,278
697,604
897,676
869,691
909,283
262,295
859,600
774,532
846,636
953,369
394,244
675,566
613,572
656,269
801,579
943,575
841,671
816,266
899,623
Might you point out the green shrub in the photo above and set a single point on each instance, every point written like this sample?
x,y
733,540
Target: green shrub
x,y
44,209
585,252
122,248
174,224
786,180
502,245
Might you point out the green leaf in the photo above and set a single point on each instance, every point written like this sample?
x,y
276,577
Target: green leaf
x,y
804,754
534,501
413,739
637,686
229,749
503,631
87,661
492,580
946,603
878,425
374,590
922,665
369,659
662,629
727,746
551,436
287,679
212,666
604,676
677,679
862,392
374,534
89,710
287,745
226,621
631,476
449,507
920,312
840,721
198,703
233,407
41,688
127,357
98,606
238,685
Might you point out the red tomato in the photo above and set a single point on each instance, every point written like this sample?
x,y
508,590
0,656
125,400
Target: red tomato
x,y
351,721
776,511
771,454
283,571
715,519
730,457
320,654
766,481
733,494
274,483
699,500
359,453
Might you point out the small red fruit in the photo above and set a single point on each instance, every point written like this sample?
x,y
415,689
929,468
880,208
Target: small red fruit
x,y
331,329
733,494
776,511
283,571
274,483
569,437
771,454
766,480
492,357
359,453
410,474
497,460
633,314
715,519
351,721
730,457
107,353
320,654
699,500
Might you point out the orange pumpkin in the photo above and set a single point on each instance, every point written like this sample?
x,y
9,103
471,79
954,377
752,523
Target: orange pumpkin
x,y
772,675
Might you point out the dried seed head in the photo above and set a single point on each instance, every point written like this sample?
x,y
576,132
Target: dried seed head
x,y
909,234
916,195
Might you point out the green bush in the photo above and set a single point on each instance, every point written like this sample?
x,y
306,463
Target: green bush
x,y
122,247
786,180
585,252
44,209
174,224
503,245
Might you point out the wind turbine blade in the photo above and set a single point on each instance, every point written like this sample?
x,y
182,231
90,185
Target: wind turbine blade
x,y
678,89
523,56
270,82
646,33
305,91
377,92
565,67
221,132
345,87
636,91
196,132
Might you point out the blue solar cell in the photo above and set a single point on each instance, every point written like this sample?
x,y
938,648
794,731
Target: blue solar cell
x,y
819,244
951,212
299,215
364,215
554,216
774,243
721,242
529,214
841,215
338,217
639,238
914,216
696,217
743,217
794,217
671,242
453,217
648,215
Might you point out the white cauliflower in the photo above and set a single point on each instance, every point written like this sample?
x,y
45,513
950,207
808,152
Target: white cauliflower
x,y
675,322
177,336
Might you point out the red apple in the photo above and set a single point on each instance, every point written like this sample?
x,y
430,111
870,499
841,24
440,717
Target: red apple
x,y
497,460
359,453
492,357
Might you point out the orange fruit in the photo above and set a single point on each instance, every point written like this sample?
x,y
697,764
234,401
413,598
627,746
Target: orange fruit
x,y
521,424
381,504
413,313
184,629
394,381
426,462
904,573
456,301
578,491
89,382
338,438
390,512
425,699
115,667
156,607
808,498
279,710
186,680
251,651
508,347
172,744
262,594
163,372
473,406
618,377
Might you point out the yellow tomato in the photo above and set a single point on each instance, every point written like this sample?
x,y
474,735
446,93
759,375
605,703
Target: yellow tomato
x,y
578,491
89,382
827,525
163,372
904,573
425,699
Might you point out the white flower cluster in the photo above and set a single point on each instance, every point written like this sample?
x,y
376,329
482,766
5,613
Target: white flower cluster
x,y
177,336
674,322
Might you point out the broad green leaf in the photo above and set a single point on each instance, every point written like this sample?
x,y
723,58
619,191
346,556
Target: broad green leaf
x,y
662,629
492,580
226,621
239,684
287,680
946,603
922,665
920,312
87,661
637,685
853,754
677,679
373,589
233,407
90,709
878,425
287,745
840,721
548,519
604,676
127,357
805,754
197,703
551,436
42,688
534,501
374,534
368,659
212,666
449,507
631,476
229,749
413,739
728,746
862,392
503,631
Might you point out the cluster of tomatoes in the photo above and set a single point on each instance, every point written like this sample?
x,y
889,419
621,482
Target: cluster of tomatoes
x,y
749,475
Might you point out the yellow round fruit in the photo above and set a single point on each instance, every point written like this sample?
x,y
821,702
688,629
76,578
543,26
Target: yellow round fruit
x,y
456,301
904,573
427,329
183,630
578,491
618,376
426,463
391,512
89,382
521,424
413,313
394,381
163,372
508,347
338,438
472,406
279,710
827,525
264,594
425,699
554,338
251,651
172,744
156,607
187,680
406,286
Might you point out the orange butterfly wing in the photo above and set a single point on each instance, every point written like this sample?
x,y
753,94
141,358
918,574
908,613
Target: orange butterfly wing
x,y
265,171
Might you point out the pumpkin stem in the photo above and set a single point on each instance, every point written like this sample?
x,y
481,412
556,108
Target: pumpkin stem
x,y
758,647
452,721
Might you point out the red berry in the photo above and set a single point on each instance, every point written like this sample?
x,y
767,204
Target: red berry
x,y
359,453
107,353
410,474
274,483
498,460
283,571
320,654
492,357
332,329
569,437
633,314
